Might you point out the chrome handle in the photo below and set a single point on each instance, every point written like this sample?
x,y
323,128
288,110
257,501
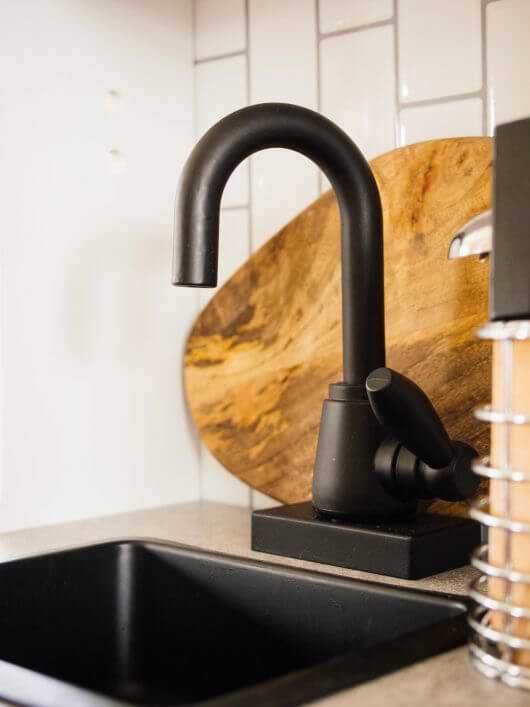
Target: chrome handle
x,y
474,238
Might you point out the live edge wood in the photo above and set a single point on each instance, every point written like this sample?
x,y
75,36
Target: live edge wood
x,y
262,353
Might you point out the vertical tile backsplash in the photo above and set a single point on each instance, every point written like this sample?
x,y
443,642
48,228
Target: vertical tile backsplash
x,y
361,99
389,72
438,120
220,28
440,47
508,61
339,15
282,67
221,88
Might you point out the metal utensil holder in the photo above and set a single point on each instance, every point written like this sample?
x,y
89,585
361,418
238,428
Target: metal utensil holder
x,y
492,650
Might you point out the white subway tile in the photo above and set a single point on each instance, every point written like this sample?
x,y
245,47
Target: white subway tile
x,y
358,88
233,248
260,501
221,88
220,485
220,27
508,52
282,50
439,48
336,15
283,183
449,119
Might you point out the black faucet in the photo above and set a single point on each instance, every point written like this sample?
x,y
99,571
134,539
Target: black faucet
x,y
360,473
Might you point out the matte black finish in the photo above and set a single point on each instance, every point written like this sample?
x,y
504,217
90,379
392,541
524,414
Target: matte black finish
x,y
417,460
456,481
404,410
147,623
344,483
267,125
510,269
348,488
407,548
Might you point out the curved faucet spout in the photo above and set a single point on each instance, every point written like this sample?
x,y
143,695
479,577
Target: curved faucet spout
x,y
269,125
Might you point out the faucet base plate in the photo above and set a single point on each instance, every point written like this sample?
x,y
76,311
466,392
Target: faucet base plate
x,y
410,548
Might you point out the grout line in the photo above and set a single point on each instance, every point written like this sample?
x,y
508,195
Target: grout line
x,y
440,99
235,207
198,444
193,50
249,175
319,82
354,30
247,47
193,31
397,116
320,36
484,47
248,90
218,57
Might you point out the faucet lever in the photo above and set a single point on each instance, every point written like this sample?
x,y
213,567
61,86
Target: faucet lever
x,y
406,412
418,460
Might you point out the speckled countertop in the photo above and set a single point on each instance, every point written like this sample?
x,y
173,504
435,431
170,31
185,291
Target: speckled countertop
x,y
444,681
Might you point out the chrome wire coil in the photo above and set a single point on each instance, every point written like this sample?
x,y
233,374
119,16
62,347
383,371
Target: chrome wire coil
x,y
491,649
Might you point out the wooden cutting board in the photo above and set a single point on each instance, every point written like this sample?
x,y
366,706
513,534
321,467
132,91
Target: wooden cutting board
x,y
260,356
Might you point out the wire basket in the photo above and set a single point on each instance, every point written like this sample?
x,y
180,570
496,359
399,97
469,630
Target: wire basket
x,y
494,643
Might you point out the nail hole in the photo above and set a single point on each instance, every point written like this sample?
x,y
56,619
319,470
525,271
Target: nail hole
x,y
115,162
113,101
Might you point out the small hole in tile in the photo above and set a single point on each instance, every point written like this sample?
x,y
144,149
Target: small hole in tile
x,y
113,101
115,161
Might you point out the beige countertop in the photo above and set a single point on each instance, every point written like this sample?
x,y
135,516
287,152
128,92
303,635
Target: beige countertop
x,y
444,681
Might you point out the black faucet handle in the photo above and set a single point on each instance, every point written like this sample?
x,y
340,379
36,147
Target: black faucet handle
x,y
417,460
406,413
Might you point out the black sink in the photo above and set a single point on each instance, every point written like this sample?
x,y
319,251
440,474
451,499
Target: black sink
x,y
158,624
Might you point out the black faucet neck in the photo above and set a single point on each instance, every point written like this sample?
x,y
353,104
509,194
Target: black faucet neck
x,y
270,125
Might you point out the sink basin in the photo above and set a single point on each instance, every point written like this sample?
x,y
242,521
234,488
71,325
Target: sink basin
x,y
141,622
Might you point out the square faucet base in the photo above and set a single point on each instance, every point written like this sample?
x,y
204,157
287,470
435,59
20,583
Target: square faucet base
x,y
410,549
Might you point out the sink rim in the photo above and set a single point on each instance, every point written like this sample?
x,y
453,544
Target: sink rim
x,y
297,687
243,559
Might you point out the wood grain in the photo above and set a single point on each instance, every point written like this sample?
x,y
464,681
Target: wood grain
x,y
262,353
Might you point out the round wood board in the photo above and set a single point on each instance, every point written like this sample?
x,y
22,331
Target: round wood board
x,y
260,356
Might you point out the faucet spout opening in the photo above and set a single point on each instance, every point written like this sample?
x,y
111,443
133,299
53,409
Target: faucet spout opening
x,y
269,125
